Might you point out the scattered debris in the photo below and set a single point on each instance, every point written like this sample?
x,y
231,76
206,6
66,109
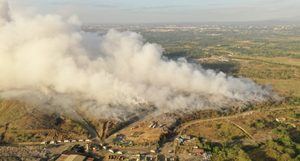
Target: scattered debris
x,y
153,124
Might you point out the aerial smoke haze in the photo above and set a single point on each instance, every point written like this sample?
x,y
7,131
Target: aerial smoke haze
x,y
107,75
4,12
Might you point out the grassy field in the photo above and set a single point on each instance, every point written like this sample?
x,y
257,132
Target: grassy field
x,y
282,73
274,129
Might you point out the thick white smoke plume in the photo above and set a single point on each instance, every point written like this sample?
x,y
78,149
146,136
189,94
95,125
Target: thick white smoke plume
x,y
109,74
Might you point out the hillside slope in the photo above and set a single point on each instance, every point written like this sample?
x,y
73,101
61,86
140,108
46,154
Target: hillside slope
x,y
22,122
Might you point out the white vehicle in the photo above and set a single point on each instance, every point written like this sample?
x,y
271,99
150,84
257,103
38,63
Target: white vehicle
x,y
66,141
88,140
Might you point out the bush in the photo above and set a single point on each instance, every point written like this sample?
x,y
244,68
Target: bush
x,y
258,124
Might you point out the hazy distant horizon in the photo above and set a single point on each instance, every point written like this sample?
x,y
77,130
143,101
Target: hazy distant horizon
x,y
167,11
263,22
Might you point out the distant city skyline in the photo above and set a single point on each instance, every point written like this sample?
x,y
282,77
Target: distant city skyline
x,y
165,11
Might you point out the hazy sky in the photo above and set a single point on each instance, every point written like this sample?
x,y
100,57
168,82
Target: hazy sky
x,y
149,11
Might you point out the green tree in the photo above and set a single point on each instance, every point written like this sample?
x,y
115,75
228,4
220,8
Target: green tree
x,y
230,154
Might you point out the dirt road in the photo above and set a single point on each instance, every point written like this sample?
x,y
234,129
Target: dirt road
x,y
184,126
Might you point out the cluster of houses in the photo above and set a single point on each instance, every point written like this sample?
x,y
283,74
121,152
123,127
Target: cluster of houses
x,y
97,147
182,138
53,142
141,157
189,144
118,155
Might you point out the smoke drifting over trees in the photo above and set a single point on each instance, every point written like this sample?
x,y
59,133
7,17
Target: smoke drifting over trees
x,y
50,58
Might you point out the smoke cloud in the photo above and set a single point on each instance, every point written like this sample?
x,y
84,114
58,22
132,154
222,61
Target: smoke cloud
x,y
4,12
111,75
